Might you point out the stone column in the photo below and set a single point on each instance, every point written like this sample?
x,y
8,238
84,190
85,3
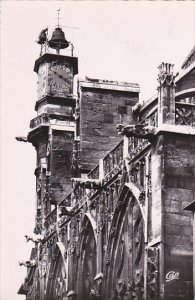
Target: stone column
x,y
71,295
166,94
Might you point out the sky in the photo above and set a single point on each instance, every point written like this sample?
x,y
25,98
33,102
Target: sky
x,y
116,40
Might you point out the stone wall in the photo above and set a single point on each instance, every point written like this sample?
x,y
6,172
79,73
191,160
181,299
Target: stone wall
x,y
100,111
178,191
61,161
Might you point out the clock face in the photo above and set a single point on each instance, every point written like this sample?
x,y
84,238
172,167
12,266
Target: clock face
x,y
60,78
42,80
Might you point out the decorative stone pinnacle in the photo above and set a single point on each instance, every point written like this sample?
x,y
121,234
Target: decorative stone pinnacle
x,y
166,75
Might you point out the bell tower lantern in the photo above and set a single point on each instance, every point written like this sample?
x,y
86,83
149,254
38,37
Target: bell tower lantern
x,y
53,129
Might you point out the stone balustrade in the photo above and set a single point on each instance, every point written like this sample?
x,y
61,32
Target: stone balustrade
x,y
185,112
94,174
112,160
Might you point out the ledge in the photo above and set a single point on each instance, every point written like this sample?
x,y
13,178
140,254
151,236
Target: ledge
x,y
185,93
65,101
180,129
50,56
36,133
109,85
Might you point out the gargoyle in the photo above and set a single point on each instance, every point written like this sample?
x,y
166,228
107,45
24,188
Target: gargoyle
x,y
136,108
65,211
28,263
22,139
36,238
138,131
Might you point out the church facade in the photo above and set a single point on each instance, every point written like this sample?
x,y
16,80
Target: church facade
x,y
113,177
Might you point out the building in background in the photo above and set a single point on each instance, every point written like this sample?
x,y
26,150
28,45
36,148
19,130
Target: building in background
x,y
112,180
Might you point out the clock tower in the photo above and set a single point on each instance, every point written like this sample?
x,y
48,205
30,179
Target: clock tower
x,y
52,131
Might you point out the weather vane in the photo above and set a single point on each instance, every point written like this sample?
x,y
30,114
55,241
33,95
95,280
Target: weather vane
x,y
58,10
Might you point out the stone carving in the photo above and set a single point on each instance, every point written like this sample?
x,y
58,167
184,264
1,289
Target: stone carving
x,y
21,139
185,115
166,75
136,108
28,263
139,130
65,211
35,238
97,286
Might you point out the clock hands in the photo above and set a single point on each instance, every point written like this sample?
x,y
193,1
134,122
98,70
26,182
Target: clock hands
x,y
60,76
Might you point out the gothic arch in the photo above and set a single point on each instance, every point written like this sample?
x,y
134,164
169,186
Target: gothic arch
x,y
57,281
88,218
87,259
125,251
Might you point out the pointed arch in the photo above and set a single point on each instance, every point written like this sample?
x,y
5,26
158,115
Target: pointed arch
x,y
125,251
88,217
86,264
57,276
136,192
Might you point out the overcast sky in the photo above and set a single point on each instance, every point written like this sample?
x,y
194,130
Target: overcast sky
x,y
123,41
